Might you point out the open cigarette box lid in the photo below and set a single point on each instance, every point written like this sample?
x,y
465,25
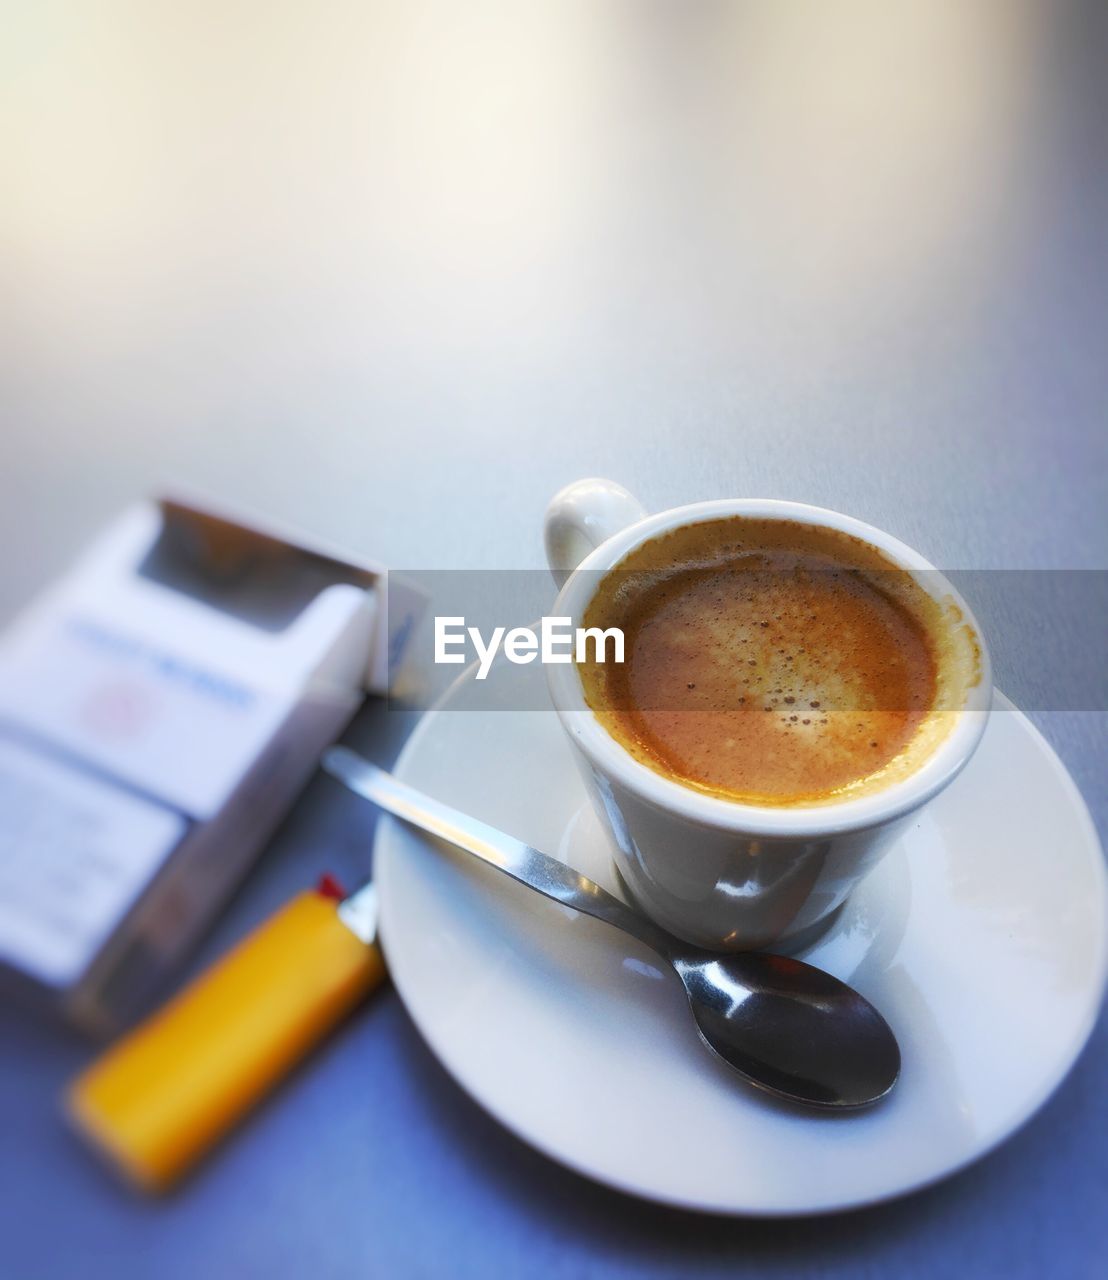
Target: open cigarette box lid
x,y
160,708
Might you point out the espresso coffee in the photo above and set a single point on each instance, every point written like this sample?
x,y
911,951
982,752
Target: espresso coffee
x,y
774,662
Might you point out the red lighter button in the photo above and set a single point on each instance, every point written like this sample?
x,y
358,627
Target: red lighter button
x,y
329,887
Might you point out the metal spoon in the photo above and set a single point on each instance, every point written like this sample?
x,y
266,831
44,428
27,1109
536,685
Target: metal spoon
x,y
785,1026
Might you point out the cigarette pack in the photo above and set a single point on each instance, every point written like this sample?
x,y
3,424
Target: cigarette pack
x,y
160,708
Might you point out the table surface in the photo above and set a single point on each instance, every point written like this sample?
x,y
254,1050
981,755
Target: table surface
x,y
396,273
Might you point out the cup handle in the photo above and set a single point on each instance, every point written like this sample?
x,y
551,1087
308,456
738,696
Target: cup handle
x,y
582,516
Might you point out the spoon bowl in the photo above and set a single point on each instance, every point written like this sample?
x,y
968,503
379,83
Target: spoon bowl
x,y
790,1028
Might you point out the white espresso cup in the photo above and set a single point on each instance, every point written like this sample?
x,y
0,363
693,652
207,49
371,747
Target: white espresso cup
x,y
718,873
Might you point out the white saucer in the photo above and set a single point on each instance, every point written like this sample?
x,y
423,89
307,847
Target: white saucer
x,y
982,938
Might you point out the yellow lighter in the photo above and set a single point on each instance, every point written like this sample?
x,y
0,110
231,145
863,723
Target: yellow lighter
x,y
158,1099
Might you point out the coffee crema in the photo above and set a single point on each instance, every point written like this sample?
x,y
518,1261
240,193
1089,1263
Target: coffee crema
x,y
774,662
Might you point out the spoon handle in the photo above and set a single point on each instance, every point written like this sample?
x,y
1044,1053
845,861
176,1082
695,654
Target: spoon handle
x,y
537,870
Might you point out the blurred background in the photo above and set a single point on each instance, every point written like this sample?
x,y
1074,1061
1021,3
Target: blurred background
x,y
395,272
